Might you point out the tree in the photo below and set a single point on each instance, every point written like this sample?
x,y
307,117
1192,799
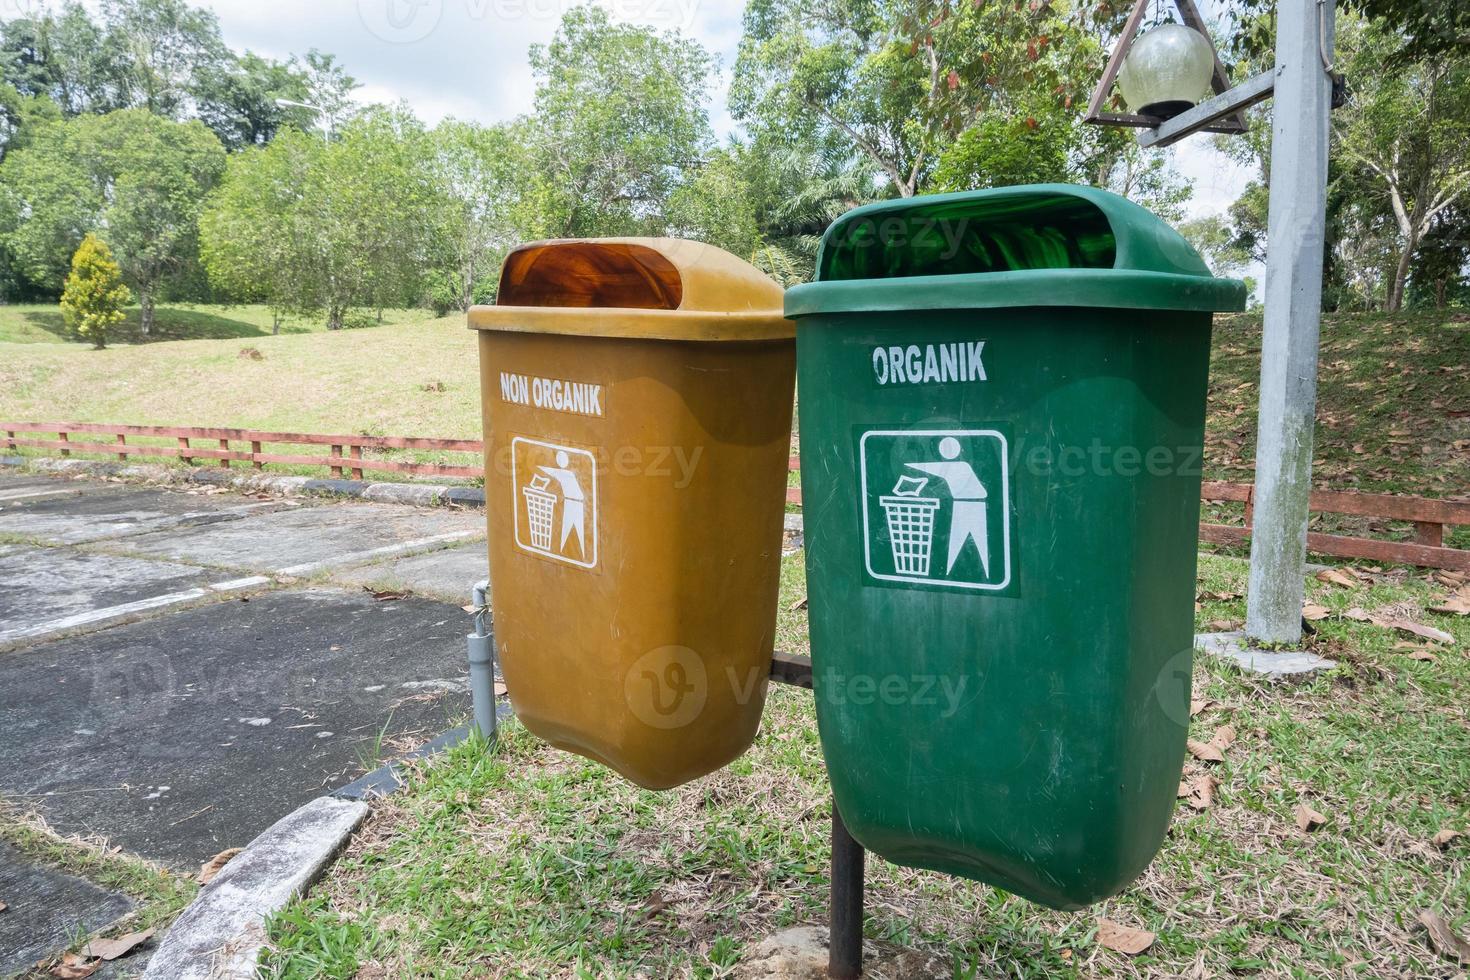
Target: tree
x,y
325,228
480,212
619,124
715,206
1216,243
328,87
92,301
245,230
902,82
21,115
1409,128
137,177
1442,265
167,46
237,98
159,174
65,57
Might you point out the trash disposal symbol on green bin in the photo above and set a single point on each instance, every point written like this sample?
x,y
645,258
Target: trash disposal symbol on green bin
x,y
936,507
1002,414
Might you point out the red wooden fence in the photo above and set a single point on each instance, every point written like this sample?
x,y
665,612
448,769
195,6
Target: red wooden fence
x,y
185,449
1429,516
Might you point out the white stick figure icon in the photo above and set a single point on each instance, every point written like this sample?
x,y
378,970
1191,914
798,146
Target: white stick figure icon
x,y
967,517
574,502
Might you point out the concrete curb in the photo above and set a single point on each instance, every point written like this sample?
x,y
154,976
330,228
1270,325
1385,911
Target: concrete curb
x,y
411,494
221,933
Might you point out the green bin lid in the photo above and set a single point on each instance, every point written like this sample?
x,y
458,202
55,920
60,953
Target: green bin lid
x,y
1032,245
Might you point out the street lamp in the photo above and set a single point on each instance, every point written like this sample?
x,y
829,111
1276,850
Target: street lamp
x,y
1159,75
326,116
1167,71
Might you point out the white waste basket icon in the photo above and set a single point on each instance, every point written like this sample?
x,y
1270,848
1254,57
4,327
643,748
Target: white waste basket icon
x,y
910,527
540,506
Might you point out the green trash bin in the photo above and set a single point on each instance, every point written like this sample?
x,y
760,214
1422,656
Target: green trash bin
x,y
1001,401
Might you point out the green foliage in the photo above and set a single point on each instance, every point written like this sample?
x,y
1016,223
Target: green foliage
x,y
479,210
1212,237
998,152
619,124
138,175
313,227
716,206
1443,261
1401,138
94,296
903,82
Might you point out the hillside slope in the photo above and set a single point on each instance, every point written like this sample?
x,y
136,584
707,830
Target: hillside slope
x,y
1393,411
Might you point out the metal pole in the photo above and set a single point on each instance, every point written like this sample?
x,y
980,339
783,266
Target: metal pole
x,y
1294,243
845,942
482,664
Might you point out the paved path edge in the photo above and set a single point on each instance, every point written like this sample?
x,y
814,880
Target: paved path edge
x,y
221,933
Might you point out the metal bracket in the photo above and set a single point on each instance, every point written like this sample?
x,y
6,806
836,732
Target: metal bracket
x,y
1227,103
1219,81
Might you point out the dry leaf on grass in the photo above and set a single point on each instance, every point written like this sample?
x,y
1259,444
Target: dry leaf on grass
x,y
1414,629
1224,737
1123,939
1307,819
501,690
1445,838
1336,576
1416,651
1205,751
1358,615
215,865
1457,604
1442,937
1199,792
798,604
1312,612
1198,705
655,904
111,949
74,967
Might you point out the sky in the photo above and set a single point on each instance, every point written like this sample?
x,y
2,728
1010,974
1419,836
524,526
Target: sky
x,y
467,58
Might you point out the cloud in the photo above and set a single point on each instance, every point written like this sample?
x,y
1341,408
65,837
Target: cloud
x,y
465,58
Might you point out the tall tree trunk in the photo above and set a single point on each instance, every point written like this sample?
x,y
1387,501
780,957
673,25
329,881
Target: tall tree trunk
x,y
145,301
335,316
1440,293
275,323
1400,277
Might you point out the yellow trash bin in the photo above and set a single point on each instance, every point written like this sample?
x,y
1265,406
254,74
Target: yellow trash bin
x,y
637,398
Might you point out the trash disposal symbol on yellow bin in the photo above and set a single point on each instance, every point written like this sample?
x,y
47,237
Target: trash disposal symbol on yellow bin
x,y
637,398
558,518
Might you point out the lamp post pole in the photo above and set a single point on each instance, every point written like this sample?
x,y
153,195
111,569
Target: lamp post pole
x,y
1288,394
322,114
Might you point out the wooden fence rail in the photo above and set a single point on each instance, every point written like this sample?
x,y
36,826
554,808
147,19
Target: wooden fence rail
x,y
186,449
1429,516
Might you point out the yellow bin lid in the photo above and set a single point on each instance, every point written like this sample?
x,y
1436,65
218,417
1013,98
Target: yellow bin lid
x,y
648,288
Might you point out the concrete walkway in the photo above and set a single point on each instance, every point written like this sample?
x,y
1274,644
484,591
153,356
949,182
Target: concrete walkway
x,y
182,668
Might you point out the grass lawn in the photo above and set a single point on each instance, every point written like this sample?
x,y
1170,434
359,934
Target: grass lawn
x,y
41,323
1393,407
415,377
529,862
